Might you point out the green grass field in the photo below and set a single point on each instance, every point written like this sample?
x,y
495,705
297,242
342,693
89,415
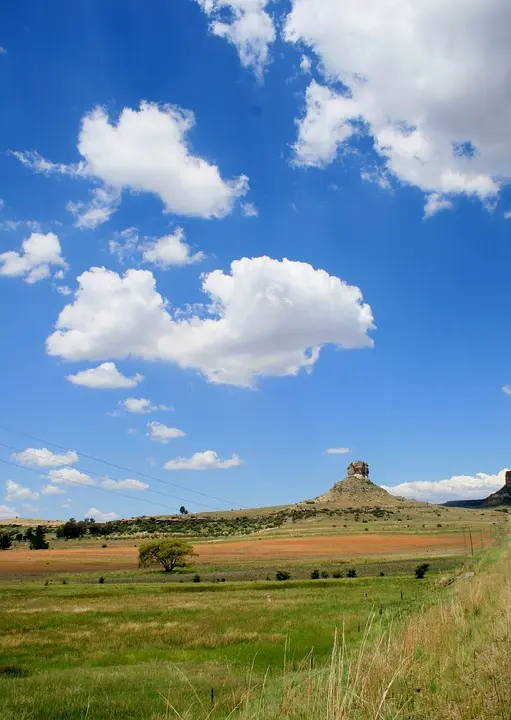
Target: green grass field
x,y
127,651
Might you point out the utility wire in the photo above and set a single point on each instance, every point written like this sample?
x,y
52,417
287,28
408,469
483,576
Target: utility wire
x,y
124,469
89,472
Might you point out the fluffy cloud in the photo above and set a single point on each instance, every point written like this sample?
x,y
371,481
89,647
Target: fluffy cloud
x,y
52,490
104,377
326,124
43,458
100,516
431,91
162,433
124,485
34,261
207,460
265,318
141,406
6,512
145,151
171,250
102,205
14,491
249,28
305,64
337,451
71,476
458,487
507,389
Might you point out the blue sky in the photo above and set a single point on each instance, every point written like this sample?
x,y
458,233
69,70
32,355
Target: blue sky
x,y
162,142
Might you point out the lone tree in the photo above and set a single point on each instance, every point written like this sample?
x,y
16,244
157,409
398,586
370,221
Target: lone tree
x,y
421,570
37,538
169,553
183,510
5,541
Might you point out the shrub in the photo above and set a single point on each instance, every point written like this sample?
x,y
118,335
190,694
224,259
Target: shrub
x,y
101,580
382,574
196,578
104,545
5,541
324,574
282,575
352,573
421,570
337,574
315,574
439,525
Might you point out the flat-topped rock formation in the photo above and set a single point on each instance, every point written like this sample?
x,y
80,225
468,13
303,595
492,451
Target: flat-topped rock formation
x,y
357,490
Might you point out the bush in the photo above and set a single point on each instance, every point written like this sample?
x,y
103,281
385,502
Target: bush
x,y
421,570
315,574
352,573
337,574
196,578
104,545
101,580
5,541
324,574
382,574
37,538
282,575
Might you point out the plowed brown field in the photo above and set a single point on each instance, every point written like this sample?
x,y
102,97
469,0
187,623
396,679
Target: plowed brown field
x,y
247,552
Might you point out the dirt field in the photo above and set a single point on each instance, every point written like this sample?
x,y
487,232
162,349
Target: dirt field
x,y
122,557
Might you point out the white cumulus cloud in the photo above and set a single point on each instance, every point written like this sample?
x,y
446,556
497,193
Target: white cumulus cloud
x,y
7,512
140,406
127,484
14,491
171,250
162,433
145,150
265,318
247,25
458,487
337,451
430,90
70,476
100,516
104,377
43,458
103,203
207,460
35,259
52,490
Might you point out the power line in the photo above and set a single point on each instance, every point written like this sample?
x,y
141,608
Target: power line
x,y
124,469
77,482
90,472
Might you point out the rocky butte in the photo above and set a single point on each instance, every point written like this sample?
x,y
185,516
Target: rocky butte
x,y
357,490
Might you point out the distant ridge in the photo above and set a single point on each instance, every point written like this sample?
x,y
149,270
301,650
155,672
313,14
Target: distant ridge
x,y
496,499
357,490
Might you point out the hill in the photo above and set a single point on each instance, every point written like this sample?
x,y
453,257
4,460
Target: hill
x,y
497,499
358,491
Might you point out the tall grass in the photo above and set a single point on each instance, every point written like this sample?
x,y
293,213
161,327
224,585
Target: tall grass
x,y
450,662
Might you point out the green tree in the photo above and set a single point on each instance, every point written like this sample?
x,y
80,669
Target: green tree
x,y
183,510
169,553
421,570
37,538
5,541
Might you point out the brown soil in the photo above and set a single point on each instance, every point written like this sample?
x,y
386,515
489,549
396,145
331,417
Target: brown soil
x,y
19,562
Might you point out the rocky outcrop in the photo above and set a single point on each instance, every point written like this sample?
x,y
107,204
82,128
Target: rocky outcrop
x,y
502,496
357,490
359,468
